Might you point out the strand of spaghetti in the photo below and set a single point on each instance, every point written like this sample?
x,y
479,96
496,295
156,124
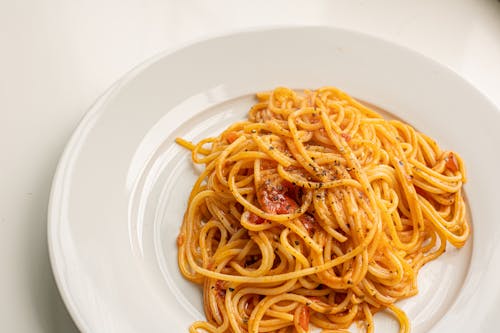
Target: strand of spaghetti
x,y
298,149
294,252
457,240
421,169
259,311
404,324
267,257
325,219
316,185
275,154
198,149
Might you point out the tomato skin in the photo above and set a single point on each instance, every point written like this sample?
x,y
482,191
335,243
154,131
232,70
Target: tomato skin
x,y
275,202
255,219
231,136
274,198
220,289
280,198
308,222
304,316
181,239
451,162
346,137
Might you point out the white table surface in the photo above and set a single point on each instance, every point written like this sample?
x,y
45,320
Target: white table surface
x,y
57,57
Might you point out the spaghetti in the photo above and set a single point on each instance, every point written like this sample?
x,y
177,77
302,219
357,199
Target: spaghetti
x,y
316,210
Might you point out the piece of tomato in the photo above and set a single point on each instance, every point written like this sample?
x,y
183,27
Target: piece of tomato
x,y
278,198
180,239
308,222
220,288
231,136
304,317
255,219
451,162
346,137
274,200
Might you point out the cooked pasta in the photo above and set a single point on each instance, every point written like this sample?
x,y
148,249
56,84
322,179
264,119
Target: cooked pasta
x,y
316,211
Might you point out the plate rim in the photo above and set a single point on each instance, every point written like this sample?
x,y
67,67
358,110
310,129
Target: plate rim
x,y
96,108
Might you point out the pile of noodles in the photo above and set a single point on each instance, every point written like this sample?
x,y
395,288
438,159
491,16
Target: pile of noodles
x,y
316,210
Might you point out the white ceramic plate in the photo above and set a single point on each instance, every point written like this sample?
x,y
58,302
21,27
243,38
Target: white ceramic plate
x,y
121,187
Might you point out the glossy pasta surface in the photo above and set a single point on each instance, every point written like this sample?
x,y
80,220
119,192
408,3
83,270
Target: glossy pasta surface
x,y
316,212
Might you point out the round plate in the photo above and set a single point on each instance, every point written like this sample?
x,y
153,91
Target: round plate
x,y
122,185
